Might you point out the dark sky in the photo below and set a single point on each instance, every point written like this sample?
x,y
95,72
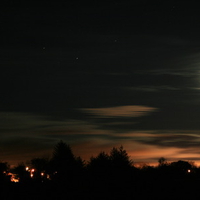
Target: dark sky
x,y
98,75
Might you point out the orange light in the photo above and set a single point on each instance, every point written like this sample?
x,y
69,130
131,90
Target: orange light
x,y
15,180
13,177
31,175
27,168
32,170
189,170
42,174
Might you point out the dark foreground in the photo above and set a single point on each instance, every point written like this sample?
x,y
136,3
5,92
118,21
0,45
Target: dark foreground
x,y
187,188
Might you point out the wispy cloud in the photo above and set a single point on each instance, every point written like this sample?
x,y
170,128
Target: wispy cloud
x,y
31,125
184,71
151,88
121,111
186,139
37,135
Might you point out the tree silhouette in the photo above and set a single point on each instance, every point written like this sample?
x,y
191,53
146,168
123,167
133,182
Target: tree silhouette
x,y
63,157
62,152
111,165
120,159
100,164
162,161
63,163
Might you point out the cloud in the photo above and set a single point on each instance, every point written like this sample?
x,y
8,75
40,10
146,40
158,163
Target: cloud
x,y
25,136
185,139
151,88
121,111
22,122
184,71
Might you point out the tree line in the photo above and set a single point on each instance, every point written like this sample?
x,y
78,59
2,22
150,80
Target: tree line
x,y
65,164
113,173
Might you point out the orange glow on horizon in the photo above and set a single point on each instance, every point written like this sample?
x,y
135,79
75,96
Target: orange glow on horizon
x,y
139,152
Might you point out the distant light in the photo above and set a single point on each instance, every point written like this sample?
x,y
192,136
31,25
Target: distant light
x,y
13,177
27,168
15,180
189,170
32,170
31,175
42,174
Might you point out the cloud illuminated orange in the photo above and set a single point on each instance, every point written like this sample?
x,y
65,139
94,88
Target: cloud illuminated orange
x,y
121,111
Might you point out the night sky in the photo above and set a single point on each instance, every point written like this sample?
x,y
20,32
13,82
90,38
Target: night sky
x,y
99,75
